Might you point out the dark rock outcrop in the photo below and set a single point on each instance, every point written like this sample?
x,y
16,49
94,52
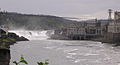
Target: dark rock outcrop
x,y
18,38
10,39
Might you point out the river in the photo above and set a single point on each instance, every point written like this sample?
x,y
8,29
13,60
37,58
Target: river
x,y
63,52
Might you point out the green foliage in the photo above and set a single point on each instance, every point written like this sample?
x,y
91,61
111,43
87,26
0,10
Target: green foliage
x,y
11,39
16,63
22,60
5,42
43,63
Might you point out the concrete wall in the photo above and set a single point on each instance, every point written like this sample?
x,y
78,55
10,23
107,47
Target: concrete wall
x,y
111,38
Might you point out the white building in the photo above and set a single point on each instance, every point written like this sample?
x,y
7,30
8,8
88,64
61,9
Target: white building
x,y
114,27
76,29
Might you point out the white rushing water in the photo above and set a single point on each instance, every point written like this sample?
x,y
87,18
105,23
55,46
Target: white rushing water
x,y
60,52
32,35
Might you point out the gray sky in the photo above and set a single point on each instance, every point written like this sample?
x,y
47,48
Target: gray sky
x,y
66,8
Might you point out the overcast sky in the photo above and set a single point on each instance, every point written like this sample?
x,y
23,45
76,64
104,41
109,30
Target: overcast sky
x,y
66,8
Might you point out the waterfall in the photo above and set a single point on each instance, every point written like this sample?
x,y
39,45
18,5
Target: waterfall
x,y
32,35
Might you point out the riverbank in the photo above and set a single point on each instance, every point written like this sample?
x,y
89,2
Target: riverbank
x,y
9,39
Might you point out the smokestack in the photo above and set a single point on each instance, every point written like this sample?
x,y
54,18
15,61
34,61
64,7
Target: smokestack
x,y
110,16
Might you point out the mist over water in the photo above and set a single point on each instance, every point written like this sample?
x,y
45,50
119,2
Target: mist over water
x,y
32,35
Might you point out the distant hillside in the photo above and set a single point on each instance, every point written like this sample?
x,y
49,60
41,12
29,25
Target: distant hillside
x,y
32,22
99,20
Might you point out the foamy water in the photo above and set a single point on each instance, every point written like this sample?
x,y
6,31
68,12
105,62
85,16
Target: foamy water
x,y
32,35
